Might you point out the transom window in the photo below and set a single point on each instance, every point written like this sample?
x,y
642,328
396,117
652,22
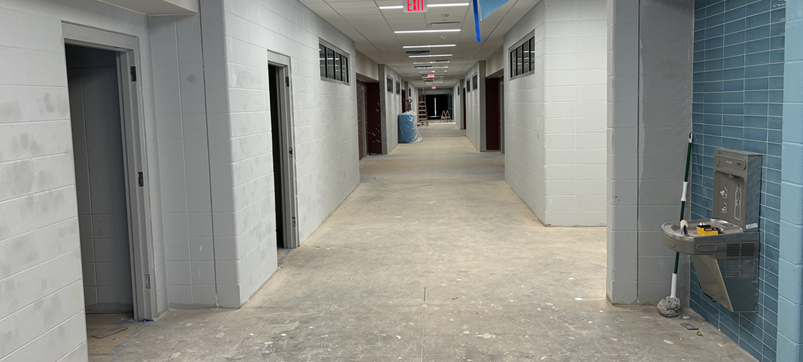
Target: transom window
x,y
522,58
334,64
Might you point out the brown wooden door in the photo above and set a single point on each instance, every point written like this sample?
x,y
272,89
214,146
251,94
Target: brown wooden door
x,y
361,116
493,124
373,119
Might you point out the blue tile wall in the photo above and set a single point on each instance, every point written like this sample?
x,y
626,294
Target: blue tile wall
x,y
738,104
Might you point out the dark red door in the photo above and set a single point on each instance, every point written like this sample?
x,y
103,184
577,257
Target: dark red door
x,y
493,131
373,119
361,116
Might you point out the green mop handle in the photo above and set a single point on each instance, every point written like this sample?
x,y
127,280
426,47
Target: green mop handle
x,y
685,189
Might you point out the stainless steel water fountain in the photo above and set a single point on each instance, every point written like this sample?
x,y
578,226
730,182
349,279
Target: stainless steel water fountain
x,y
727,262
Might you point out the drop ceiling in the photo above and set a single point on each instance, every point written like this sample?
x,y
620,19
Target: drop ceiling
x,y
373,32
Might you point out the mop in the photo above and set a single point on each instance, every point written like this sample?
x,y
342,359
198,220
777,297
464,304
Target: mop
x,y
670,306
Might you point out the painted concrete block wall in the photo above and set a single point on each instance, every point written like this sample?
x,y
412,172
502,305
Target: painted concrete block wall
x,y
790,263
325,152
649,99
525,170
562,135
39,239
665,102
184,163
475,106
413,94
390,102
738,104
97,139
457,108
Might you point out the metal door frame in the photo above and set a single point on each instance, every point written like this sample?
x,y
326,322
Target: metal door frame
x,y
364,111
135,158
286,137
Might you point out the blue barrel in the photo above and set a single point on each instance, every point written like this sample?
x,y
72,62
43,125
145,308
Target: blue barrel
x,y
407,125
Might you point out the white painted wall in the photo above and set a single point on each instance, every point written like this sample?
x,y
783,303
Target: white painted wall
x,y
412,93
556,118
495,63
365,67
240,136
650,82
42,303
390,103
457,108
475,106
180,105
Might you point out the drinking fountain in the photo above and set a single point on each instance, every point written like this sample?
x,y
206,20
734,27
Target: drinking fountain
x,y
725,248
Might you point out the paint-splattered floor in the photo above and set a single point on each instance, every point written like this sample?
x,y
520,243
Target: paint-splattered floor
x,y
433,258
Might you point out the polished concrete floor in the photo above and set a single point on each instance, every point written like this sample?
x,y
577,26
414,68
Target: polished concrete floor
x,y
433,258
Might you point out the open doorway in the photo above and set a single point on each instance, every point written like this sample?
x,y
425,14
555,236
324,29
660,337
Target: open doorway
x,y
463,114
493,115
282,143
437,104
112,191
98,152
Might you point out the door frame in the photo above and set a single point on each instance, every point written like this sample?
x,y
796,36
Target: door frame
x,y
135,158
363,95
502,113
286,137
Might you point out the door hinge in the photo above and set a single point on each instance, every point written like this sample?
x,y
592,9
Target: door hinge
x,y
147,281
140,179
286,81
291,152
133,74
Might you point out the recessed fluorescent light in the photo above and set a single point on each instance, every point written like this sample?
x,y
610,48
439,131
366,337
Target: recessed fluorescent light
x,y
446,5
440,61
391,7
430,56
427,31
428,46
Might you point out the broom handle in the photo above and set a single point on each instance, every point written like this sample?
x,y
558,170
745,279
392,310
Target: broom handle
x,y
683,206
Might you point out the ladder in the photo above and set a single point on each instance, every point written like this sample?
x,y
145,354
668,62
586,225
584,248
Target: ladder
x,y
422,109
445,116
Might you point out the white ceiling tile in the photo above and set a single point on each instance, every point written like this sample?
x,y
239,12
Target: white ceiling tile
x,y
372,30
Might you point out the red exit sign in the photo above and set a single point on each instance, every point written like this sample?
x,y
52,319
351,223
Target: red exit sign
x,y
415,6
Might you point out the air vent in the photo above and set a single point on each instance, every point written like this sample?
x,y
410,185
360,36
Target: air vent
x,y
741,250
417,52
444,25
733,250
739,268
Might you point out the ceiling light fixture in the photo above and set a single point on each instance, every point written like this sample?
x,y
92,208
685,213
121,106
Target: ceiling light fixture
x,y
428,46
446,5
427,31
430,55
433,62
394,7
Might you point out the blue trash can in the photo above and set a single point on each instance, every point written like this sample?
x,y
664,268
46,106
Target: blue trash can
x,y
407,125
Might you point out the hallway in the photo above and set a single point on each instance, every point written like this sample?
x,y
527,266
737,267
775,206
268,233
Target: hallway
x,y
432,258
